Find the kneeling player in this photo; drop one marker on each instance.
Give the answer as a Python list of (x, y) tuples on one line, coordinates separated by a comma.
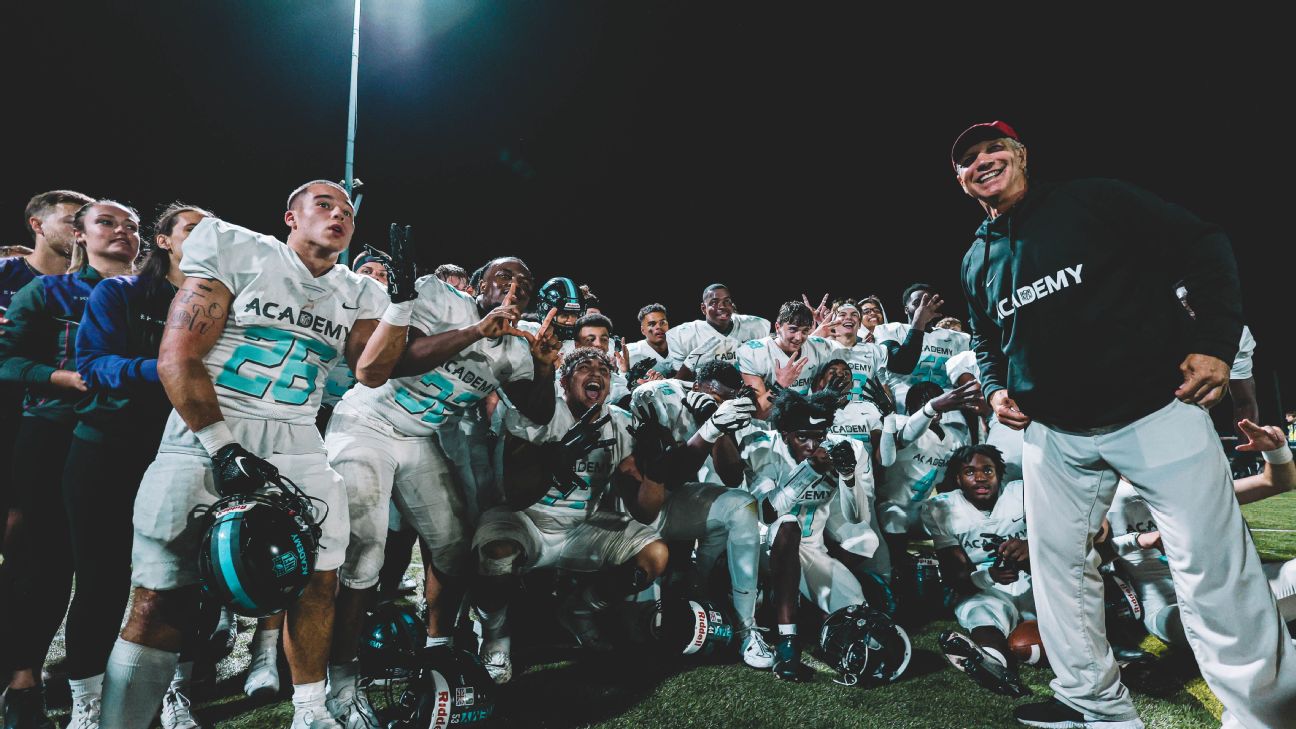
[(979, 531), (691, 423), (554, 517), (800, 478)]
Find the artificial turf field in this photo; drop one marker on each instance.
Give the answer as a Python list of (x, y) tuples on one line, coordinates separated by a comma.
[(563, 689)]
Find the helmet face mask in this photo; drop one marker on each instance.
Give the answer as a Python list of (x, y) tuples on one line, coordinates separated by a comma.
[(562, 294), (864, 645), (446, 686)]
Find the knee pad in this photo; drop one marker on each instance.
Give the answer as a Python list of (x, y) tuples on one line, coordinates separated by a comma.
[(735, 512), (497, 566), (364, 561), (1168, 626), (449, 558)]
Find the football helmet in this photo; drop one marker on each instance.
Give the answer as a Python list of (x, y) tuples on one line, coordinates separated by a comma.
[(864, 644), (562, 294), (390, 641), (258, 550), (694, 627), (447, 686)]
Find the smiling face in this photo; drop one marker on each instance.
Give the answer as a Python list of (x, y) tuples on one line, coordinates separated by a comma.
[(323, 215), (587, 384), (870, 315), (979, 481), (791, 335), (848, 320), (718, 308), (110, 232), (500, 276), (993, 172)]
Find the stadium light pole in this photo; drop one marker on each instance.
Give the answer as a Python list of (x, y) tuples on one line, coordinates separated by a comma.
[(349, 178)]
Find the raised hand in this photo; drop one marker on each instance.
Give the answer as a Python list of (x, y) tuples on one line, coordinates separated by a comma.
[(842, 458), (651, 438), (928, 309), (579, 441), (873, 391), (1261, 437), (399, 264), (701, 405), (828, 327), (821, 312), (966, 395), (787, 374)]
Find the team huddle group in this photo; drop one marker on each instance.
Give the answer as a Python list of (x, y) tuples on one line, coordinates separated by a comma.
[(232, 393)]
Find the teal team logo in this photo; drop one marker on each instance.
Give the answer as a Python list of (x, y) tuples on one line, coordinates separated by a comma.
[(284, 564)]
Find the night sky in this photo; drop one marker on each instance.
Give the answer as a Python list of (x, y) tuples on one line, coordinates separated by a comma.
[(649, 148)]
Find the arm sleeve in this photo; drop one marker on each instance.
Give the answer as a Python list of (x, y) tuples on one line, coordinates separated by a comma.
[(986, 335), (102, 340), (887, 447), (20, 345), (902, 357), (914, 427)]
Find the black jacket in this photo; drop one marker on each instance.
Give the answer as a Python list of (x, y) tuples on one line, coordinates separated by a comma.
[(1072, 304)]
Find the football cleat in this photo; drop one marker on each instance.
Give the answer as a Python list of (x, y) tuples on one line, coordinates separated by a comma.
[(263, 674), (313, 717), (176, 712), (755, 651), (85, 712), (352, 710), (1055, 714), (787, 661), (499, 664), (985, 670)]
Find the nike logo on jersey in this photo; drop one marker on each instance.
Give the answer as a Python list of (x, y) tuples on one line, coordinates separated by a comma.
[(352, 308), (1023, 516)]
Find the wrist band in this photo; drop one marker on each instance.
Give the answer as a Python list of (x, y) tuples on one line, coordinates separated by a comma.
[(398, 315), (709, 432), (1278, 456), (215, 437), (928, 410)]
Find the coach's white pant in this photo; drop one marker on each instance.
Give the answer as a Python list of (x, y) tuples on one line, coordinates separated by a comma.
[(1174, 460), (378, 464)]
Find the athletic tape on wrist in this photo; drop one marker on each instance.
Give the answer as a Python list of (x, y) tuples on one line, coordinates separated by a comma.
[(709, 432), (215, 437), (1278, 456), (398, 315)]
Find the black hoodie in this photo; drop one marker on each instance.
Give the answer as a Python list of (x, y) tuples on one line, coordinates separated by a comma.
[(1072, 305)]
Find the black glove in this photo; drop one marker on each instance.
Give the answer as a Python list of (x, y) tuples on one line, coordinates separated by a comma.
[(239, 472), (701, 405), (842, 386), (651, 440), (399, 264), (873, 391), (842, 457), (578, 442)]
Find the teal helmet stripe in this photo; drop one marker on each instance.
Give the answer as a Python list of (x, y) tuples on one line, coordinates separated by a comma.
[(225, 539)]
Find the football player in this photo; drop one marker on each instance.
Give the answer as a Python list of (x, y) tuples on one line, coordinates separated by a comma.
[(654, 326), (595, 330), (788, 358), (715, 336), (864, 355), (920, 337), (560, 478), (460, 349), (679, 427), (979, 530), (800, 477), (250, 336)]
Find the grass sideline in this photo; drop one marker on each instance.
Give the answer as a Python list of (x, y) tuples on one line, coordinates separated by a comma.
[(566, 691)]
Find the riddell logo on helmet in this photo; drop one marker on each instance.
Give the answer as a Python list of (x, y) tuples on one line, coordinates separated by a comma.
[(699, 629), (442, 716)]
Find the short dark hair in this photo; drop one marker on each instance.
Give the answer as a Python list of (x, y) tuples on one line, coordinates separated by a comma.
[(795, 312), (292, 196), (712, 288), (719, 371), (475, 279), (41, 204), (904, 298), (823, 368), (580, 356), (651, 309), (792, 410), (158, 263), (963, 455), (920, 393), (593, 320), (446, 270)]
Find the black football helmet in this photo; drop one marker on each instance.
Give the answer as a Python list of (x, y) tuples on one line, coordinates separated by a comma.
[(259, 549), (864, 644), (564, 295), (391, 640), (447, 686), (694, 627)]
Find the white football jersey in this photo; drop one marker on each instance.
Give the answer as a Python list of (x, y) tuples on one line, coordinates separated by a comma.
[(759, 357), (857, 421), (1242, 362), (696, 342), (421, 404), (640, 351), (919, 466), (866, 360), (963, 363), (595, 469), (665, 399), (340, 379), (1129, 514), (938, 346), (286, 327), (952, 521)]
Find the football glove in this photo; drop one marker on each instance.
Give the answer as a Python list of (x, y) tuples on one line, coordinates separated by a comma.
[(872, 391), (399, 264), (701, 405), (651, 439), (239, 472), (579, 441), (730, 416), (842, 457)]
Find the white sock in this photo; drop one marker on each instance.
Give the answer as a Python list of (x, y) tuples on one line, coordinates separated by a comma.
[(133, 686), (342, 678), (309, 695), (502, 644), (180, 681), (265, 640), (438, 641), (84, 687), (494, 623), (996, 655), (787, 629)]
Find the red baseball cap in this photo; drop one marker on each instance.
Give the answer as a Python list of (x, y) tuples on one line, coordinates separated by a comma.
[(980, 133)]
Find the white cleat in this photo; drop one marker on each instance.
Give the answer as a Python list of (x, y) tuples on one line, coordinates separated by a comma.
[(85, 713), (313, 717), (263, 674), (352, 710), (176, 713), (755, 651), (495, 656)]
